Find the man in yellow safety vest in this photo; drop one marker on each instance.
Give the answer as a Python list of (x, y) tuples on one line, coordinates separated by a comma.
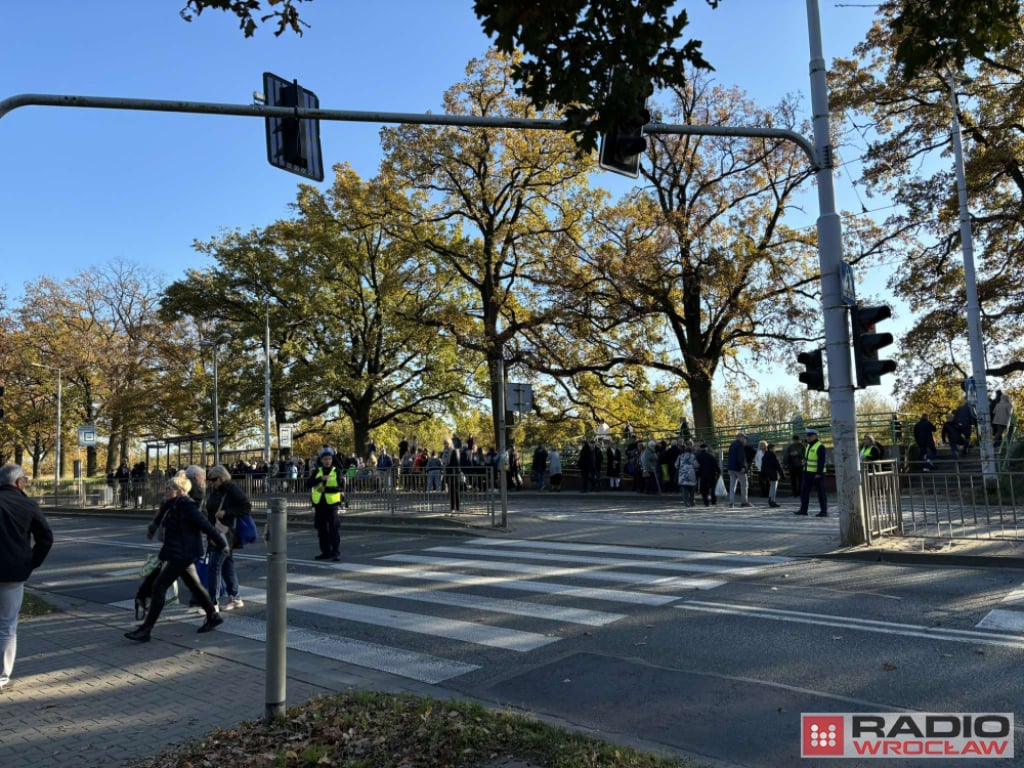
[(325, 487), (814, 475)]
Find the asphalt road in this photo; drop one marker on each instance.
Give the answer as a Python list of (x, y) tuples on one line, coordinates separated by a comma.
[(709, 654)]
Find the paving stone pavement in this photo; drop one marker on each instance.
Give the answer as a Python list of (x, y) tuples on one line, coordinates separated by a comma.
[(82, 697)]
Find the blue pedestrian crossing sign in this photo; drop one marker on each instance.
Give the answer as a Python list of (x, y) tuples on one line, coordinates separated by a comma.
[(86, 436), (847, 284)]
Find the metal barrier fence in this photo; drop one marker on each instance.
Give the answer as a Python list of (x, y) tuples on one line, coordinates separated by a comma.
[(380, 492), (951, 505)]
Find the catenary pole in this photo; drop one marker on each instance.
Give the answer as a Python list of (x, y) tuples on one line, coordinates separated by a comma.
[(985, 450)]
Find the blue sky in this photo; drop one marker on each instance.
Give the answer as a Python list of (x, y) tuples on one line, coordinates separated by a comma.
[(82, 187)]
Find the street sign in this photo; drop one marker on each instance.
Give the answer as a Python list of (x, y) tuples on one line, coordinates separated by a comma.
[(848, 284), (293, 143), (86, 436), (284, 432), (971, 391), (518, 398)]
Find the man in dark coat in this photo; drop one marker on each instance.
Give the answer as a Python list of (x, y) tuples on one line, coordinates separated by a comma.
[(965, 421), (585, 463), (614, 465), (25, 540), (924, 436), (708, 473)]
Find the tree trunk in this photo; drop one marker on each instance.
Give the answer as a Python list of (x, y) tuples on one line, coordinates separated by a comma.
[(703, 416)]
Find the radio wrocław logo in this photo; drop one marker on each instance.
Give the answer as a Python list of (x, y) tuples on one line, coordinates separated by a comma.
[(918, 734)]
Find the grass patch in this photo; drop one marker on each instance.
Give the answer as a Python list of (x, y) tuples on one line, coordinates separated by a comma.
[(376, 730), (33, 605)]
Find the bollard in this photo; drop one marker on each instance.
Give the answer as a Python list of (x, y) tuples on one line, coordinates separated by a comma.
[(277, 607)]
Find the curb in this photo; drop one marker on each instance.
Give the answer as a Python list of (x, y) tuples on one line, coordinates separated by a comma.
[(931, 558)]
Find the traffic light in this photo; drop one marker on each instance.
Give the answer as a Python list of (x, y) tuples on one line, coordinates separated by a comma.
[(814, 373), (866, 343), (293, 144), (622, 147)]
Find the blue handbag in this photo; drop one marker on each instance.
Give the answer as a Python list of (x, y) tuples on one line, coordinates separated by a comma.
[(245, 530)]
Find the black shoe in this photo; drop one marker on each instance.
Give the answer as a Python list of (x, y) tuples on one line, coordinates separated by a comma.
[(140, 635), (213, 620), (798, 512), (772, 504), (336, 557), (822, 514), (322, 557)]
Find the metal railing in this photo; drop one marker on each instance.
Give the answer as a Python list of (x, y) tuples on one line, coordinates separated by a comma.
[(378, 492), (942, 504)]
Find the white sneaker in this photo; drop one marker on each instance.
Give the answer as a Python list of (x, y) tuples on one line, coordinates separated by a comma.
[(234, 602)]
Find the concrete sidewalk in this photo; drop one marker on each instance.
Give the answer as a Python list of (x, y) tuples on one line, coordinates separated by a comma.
[(83, 698)]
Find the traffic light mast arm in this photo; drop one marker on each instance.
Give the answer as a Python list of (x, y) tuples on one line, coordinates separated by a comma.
[(355, 116)]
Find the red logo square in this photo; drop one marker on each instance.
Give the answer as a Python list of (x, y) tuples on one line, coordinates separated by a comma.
[(821, 736)]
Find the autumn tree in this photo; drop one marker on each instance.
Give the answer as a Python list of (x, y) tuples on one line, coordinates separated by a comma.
[(501, 198), (704, 251), (909, 158), (344, 299), (101, 329)]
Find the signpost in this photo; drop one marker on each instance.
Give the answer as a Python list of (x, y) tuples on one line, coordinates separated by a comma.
[(86, 436), (284, 435)]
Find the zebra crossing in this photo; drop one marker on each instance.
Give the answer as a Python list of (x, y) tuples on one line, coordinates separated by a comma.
[(444, 612), (1010, 616)]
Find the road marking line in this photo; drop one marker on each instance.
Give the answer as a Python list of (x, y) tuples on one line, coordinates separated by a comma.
[(998, 618), (409, 664), (543, 571), (676, 554), (602, 561), (453, 629), (865, 625), (511, 582), (1016, 596), (557, 613)]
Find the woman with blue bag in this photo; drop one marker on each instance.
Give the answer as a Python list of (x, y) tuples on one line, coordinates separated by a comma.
[(231, 513)]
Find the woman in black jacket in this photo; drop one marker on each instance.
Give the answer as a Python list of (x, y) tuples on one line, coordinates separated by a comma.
[(771, 471), (224, 505), (183, 526)]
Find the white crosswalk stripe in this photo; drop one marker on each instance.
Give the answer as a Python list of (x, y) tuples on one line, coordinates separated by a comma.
[(511, 582), (539, 571), (460, 581), (1010, 617), (461, 600)]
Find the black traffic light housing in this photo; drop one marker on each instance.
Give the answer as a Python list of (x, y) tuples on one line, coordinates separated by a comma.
[(293, 144), (814, 373), (622, 147), (867, 342)]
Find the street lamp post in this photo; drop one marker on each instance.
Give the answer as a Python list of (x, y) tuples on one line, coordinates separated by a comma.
[(56, 463), (215, 344)]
